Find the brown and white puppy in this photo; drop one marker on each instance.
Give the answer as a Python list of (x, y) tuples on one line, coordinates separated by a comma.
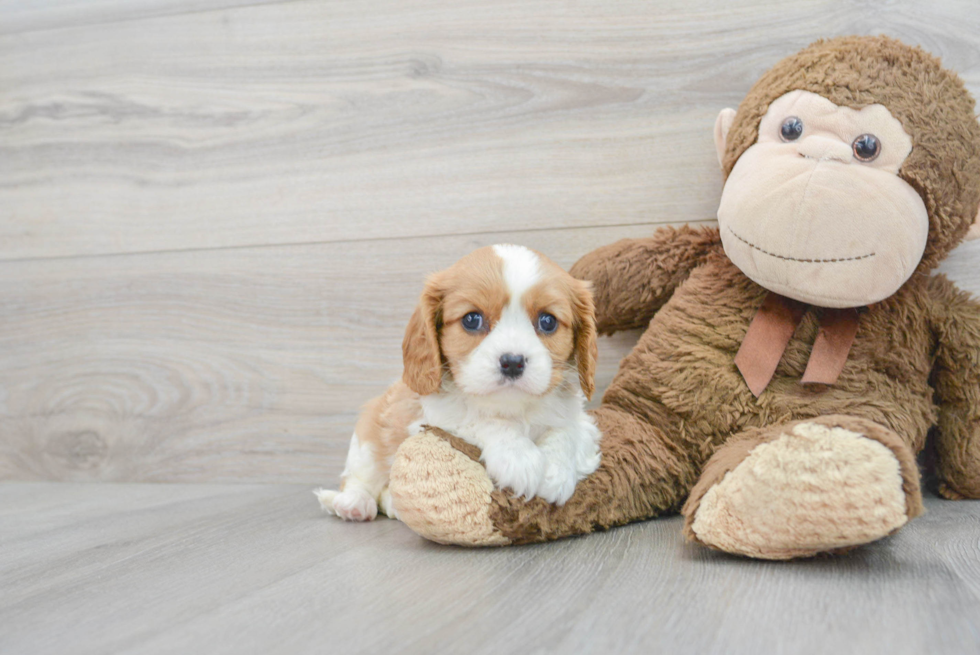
[(501, 353)]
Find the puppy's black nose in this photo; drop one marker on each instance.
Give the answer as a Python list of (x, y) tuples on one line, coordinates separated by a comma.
[(512, 365)]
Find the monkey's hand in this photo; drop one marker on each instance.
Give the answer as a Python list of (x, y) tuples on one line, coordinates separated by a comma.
[(957, 381), (633, 278)]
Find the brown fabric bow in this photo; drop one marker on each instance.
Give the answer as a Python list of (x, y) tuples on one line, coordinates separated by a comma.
[(773, 327)]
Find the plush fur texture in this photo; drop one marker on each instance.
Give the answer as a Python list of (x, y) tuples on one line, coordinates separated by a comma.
[(453, 508), (679, 419), (931, 103), (788, 202), (830, 483)]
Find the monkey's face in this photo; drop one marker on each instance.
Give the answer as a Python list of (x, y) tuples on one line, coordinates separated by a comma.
[(815, 209)]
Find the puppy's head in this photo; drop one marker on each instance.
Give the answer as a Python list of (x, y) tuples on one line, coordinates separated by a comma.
[(503, 318)]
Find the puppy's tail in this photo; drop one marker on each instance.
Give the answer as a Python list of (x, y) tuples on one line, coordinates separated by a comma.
[(326, 496)]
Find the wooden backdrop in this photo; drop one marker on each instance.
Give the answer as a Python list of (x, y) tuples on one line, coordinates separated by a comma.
[(216, 215)]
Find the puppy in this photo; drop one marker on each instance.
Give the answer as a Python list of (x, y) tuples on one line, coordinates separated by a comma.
[(501, 353)]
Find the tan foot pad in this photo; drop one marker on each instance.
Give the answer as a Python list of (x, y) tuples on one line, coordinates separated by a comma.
[(817, 489), (442, 494)]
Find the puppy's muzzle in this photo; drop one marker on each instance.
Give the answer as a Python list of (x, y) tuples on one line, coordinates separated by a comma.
[(511, 365)]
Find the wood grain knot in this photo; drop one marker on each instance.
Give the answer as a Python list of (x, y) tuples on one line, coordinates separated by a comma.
[(83, 449)]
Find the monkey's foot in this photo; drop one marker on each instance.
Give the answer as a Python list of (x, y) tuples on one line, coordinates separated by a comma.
[(796, 490), (442, 493)]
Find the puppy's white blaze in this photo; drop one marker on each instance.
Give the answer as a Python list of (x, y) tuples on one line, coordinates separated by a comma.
[(516, 334), (513, 333), (522, 269)]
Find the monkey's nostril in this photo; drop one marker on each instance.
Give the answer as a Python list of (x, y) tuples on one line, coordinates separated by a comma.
[(511, 365)]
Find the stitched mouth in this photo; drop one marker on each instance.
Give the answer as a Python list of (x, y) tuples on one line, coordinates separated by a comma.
[(798, 259)]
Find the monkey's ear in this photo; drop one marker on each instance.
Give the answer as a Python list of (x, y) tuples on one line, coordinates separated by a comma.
[(722, 124), (974, 232)]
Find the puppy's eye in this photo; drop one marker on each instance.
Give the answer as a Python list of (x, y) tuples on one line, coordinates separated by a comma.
[(547, 323), (473, 322), (791, 129), (866, 147)]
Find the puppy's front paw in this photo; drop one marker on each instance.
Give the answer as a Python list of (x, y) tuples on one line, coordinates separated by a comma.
[(558, 483), (351, 505), (518, 465)]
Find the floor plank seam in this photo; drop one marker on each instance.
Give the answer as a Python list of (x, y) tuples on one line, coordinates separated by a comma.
[(147, 17), (300, 244)]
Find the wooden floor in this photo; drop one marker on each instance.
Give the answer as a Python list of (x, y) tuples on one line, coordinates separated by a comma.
[(257, 569)]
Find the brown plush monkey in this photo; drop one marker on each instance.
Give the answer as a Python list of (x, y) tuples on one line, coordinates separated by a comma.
[(796, 357)]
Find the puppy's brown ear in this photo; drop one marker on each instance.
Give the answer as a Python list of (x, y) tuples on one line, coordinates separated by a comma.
[(420, 348), (586, 348)]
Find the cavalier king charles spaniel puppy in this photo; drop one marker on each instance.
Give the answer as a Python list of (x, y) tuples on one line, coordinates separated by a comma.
[(500, 352)]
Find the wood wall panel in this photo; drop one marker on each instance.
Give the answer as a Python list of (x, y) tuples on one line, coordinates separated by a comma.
[(310, 121), (244, 364), (215, 215)]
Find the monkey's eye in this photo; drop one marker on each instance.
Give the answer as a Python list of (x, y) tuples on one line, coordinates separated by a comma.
[(473, 322), (866, 147), (791, 129), (547, 323)]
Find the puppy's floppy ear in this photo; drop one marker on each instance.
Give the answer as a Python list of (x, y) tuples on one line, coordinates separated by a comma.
[(420, 348), (586, 348)]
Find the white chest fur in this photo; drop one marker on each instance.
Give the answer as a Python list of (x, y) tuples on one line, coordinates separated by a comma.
[(535, 445)]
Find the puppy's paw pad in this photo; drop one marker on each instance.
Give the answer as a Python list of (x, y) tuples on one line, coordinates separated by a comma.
[(355, 505)]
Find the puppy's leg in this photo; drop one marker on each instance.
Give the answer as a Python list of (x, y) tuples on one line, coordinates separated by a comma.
[(384, 504), (513, 461), (362, 483), (572, 454)]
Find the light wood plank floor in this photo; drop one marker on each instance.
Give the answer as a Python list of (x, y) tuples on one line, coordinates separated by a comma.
[(257, 569)]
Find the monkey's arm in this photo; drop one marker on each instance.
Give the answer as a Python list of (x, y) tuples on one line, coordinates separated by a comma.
[(956, 378), (633, 278)]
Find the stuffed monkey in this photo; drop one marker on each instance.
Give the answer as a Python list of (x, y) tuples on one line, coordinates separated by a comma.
[(796, 358)]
